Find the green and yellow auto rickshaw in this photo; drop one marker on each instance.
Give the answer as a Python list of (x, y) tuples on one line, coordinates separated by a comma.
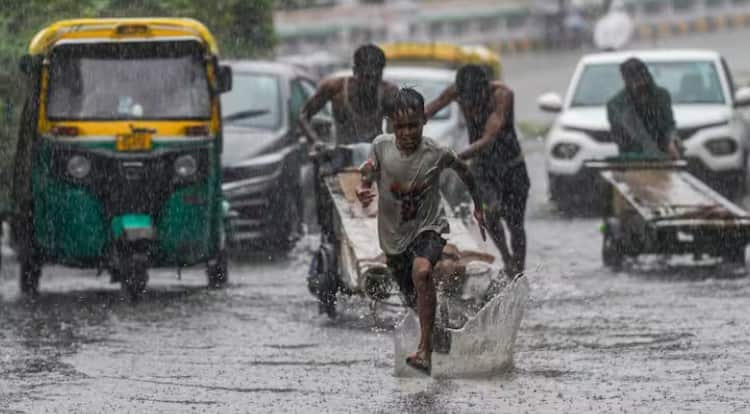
[(117, 166)]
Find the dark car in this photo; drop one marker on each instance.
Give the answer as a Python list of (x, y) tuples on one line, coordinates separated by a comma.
[(263, 154)]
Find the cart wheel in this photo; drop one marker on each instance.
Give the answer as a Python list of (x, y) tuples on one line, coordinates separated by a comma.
[(217, 271), (322, 282), (31, 271), (612, 255)]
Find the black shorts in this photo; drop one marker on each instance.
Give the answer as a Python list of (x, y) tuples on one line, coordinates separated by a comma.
[(428, 245)]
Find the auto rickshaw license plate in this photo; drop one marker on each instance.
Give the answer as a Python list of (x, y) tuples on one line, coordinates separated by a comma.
[(137, 141)]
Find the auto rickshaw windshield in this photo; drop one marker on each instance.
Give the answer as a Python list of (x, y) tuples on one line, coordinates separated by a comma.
[(129, 80)]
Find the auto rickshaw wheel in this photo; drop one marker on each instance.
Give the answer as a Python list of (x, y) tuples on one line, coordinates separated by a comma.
[(217, 271), (134, 284), (31, 271), (612, 255)]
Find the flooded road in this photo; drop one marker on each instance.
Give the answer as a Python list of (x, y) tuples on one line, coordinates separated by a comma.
[(661, 336)]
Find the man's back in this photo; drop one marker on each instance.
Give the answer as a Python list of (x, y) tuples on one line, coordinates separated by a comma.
[(641, 128)]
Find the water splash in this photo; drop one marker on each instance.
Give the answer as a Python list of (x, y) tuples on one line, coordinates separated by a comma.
[(483, 346)]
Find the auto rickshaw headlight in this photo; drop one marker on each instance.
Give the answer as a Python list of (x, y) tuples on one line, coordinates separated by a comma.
[(79, 166), (185, 166)]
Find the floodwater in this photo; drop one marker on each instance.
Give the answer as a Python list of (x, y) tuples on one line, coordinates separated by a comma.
[(658, 336)]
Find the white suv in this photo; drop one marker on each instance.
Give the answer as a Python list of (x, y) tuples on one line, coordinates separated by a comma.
[(714, 134)]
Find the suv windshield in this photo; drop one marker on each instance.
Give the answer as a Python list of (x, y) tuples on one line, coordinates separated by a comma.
[(430, 89), (687, 83), (127, 81), (255, 101)]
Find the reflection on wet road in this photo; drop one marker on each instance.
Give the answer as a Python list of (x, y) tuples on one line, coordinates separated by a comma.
[(659, 336)]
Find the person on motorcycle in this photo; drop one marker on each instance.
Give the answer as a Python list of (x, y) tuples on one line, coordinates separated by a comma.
[(640, 115), (406, 168), (359, 102)]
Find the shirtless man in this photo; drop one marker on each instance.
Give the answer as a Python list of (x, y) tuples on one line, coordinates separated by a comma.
[(406, 167), (359, 102), (497, 162)]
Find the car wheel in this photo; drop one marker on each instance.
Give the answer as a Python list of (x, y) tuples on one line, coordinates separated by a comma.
[(291, 222), (734, 254)]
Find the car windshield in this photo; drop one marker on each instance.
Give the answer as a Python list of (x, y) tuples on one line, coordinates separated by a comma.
[(687, 82), (255, 101), (125, 81), (430, 89)]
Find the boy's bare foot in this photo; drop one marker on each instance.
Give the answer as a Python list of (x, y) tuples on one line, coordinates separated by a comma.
[(420, 361)]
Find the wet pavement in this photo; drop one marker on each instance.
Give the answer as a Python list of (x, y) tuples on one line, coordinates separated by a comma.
[(658, 336)]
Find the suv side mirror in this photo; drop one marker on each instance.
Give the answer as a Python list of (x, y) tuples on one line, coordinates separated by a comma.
[(742, 97), (223, 79), (550, 102), (26, 64)]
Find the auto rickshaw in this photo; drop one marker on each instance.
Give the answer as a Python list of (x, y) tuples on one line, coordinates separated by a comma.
[(117, 166)]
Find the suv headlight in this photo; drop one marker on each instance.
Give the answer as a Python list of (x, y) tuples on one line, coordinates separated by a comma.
[(721, 146), (185, 166), (79, 166), (565, 150)]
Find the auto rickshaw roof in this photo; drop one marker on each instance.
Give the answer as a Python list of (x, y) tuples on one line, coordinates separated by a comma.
[(444, 52), (120, 29)]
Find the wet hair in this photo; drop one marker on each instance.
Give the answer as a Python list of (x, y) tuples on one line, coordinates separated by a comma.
[(471, 81), (407, 100), (634, 68), (369, 56)]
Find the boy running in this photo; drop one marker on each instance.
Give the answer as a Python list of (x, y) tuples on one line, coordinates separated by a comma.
[(406, 167)]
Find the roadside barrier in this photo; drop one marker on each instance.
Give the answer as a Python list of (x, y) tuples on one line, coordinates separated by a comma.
[(702, 24), (643, 31)]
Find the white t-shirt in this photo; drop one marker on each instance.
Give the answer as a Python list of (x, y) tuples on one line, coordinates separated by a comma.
[(409, 200)]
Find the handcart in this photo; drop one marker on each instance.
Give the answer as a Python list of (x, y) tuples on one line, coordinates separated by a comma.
[(657, 207)]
